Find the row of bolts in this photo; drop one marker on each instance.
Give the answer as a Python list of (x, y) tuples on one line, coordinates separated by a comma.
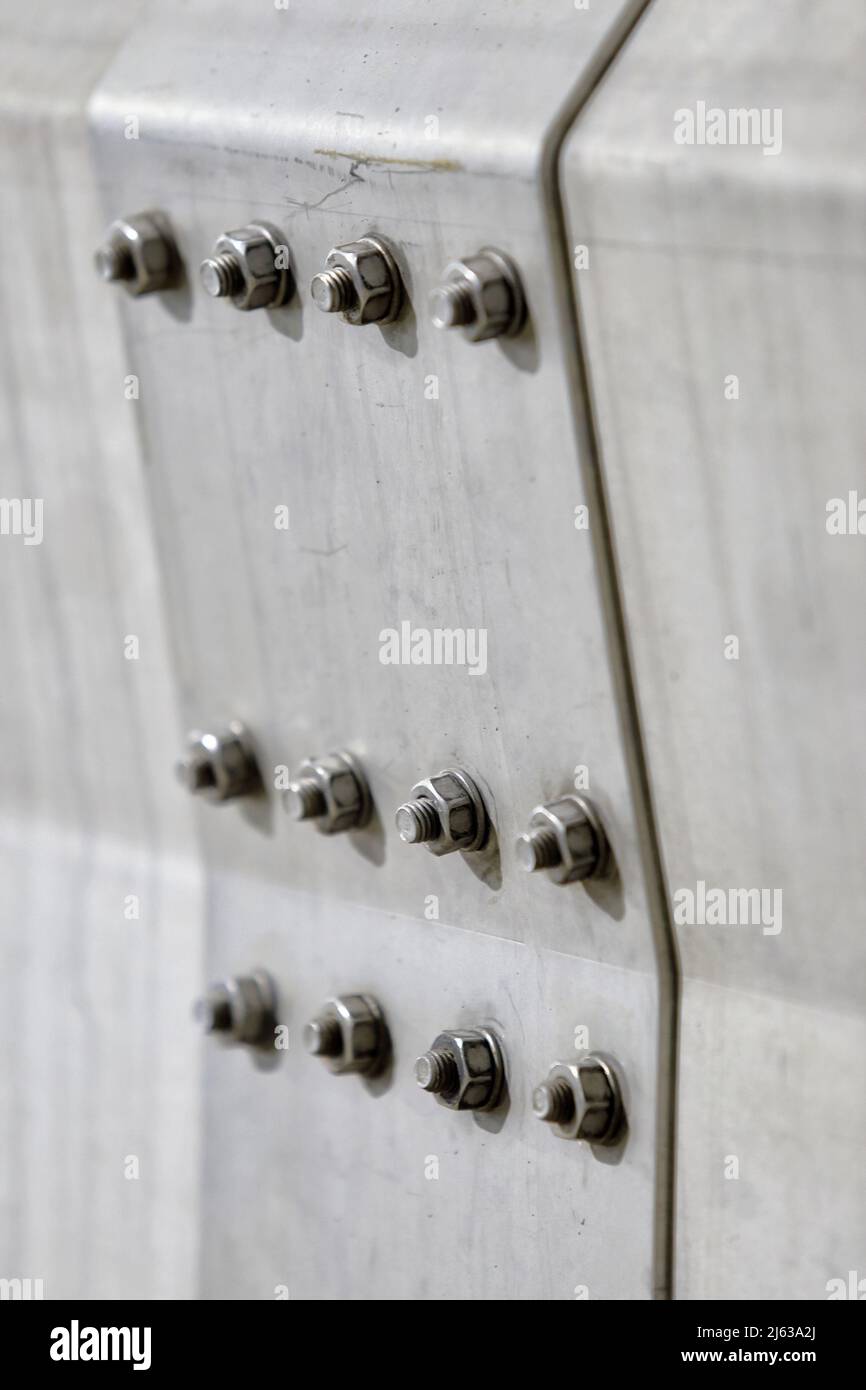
[(481, 294), (464, 1068), (446, 813)]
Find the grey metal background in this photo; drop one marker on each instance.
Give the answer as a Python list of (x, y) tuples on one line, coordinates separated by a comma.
[(454, 512), (98, 1063)]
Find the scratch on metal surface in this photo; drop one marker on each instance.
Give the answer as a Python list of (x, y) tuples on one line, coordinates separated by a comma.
[(436, 166)]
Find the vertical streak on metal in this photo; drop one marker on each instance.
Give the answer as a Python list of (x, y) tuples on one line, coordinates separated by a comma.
[(579, 371)]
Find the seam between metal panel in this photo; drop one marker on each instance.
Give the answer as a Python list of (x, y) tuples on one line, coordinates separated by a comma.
[(579, 372)]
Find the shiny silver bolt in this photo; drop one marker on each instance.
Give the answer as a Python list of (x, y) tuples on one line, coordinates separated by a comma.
[(140, 253), (242, 1008), (361, 281), (565, 837), (463, 1068), (249, 266), (331, 791), (220, 766), (481, 294), (350, 1035), (446, 813), (582, 1100)]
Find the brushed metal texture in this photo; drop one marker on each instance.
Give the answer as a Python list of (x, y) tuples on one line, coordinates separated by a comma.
[(429, 480)]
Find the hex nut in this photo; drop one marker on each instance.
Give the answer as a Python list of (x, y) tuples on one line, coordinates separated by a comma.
[(241, 1008), (139, 251), (220, 766), (244, 265), (475, 1080), (350, 1035), (482, 294), (582, 849), (597, 1115), (460, 810), (376, 284), (343, 800)]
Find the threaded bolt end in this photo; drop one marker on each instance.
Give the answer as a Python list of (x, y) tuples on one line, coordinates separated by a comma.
[(333, 290), (196, 774), (436, 1071), (305, 800), (215, 1011), (538, 849), (322, 1037), (553, 1102), (114, 262), (417, 822), (222, 275), (451, 306)]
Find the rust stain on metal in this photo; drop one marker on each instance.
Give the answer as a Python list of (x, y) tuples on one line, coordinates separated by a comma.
[(433, 165)]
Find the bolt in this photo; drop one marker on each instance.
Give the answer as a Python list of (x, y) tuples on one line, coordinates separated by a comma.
[(222, 275), (446, 813), (304, 799), (567, 838), (220, 766), (139, 252), (436, 1071), (582, 1099), (243, 1007), (361, 281), (350, 1035), (553, 1102), (417, 822), (330, 790), (463, 1068), (322, 1037), (538, 849), (481, 294), (249, 266), (333, 291)]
